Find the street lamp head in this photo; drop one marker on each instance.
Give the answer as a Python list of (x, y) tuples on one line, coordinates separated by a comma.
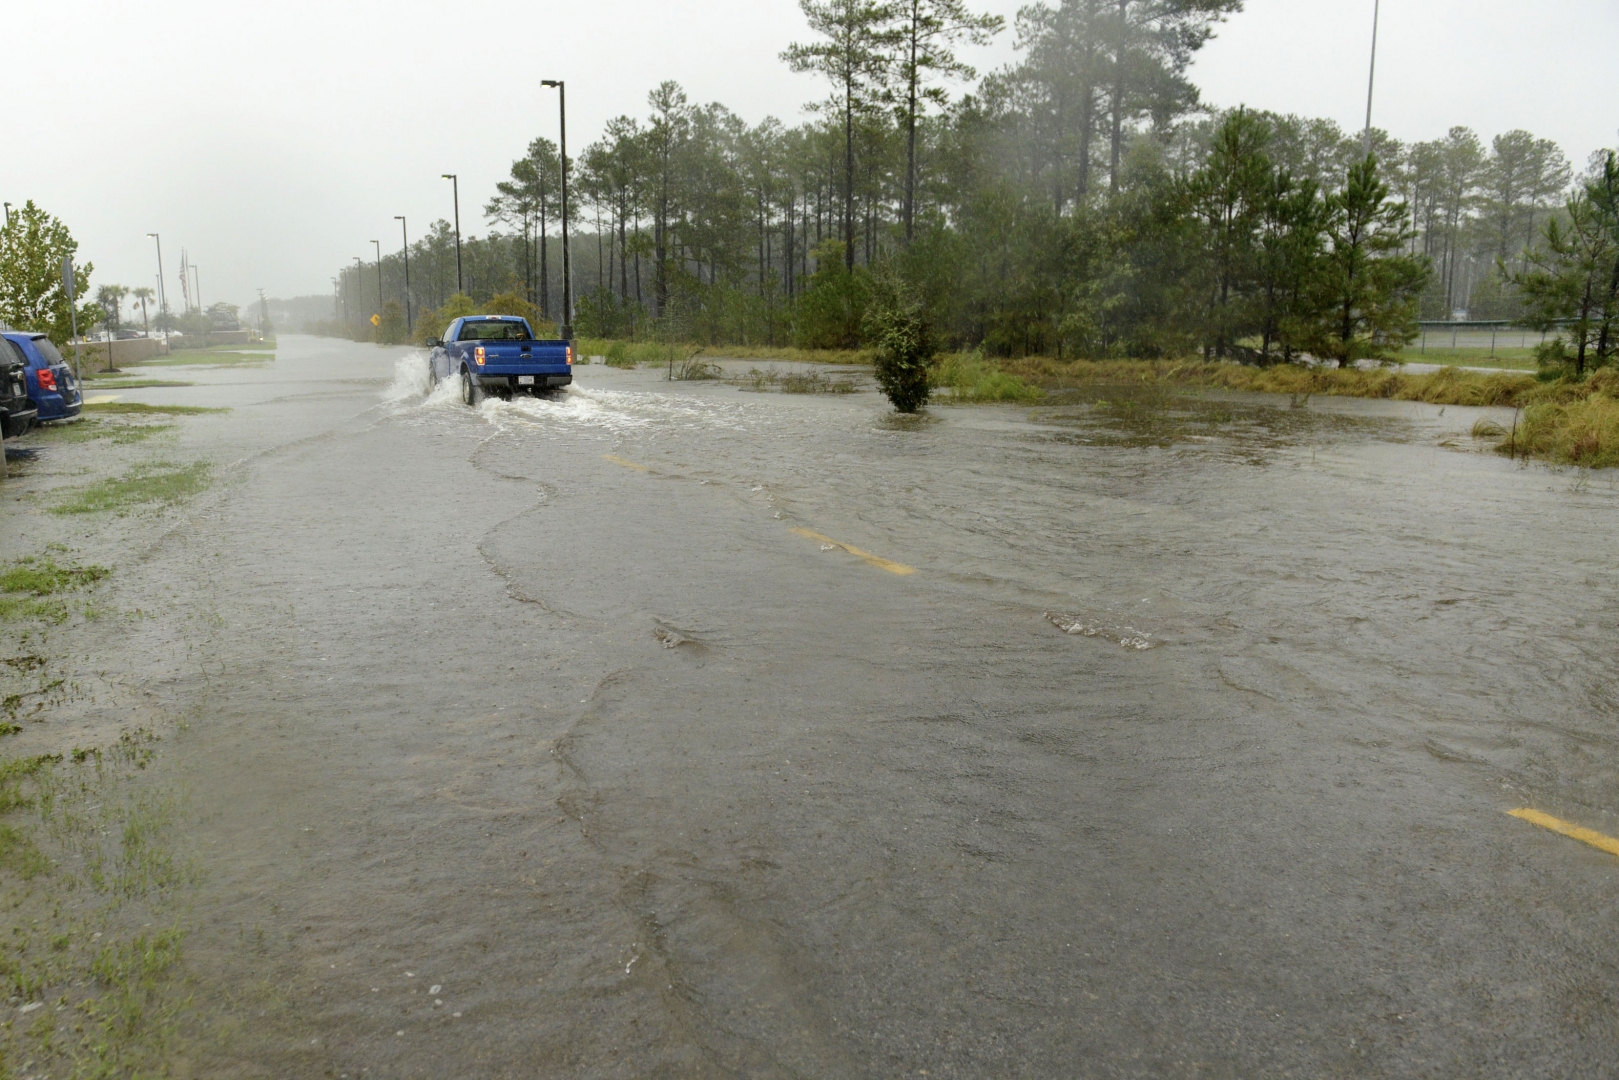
[(399, 217), (550, 82), (447, 176)]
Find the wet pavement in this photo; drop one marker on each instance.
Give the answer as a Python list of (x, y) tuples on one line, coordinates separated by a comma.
[(671, 729)]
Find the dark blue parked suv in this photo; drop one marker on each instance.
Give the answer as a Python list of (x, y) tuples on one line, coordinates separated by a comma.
[(50, 381)]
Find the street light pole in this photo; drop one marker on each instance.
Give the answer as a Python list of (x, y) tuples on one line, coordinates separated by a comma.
[(567, 259), (162, 293), (404, 237), (196, 281), (8, 213), (455, 185), (1371, 76), (359, 285), (378, 245)]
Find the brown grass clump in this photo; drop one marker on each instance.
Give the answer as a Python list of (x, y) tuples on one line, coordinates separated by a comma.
[(1583, 432)]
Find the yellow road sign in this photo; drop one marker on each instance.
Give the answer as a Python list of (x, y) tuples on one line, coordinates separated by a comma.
[(376, 320)]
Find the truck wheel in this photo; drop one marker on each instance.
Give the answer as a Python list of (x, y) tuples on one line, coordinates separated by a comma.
[(470, 395)]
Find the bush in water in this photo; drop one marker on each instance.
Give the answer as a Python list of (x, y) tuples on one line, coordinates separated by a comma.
[(905, 348)]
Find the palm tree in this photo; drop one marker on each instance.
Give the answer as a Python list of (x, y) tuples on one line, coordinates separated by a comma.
[(143, 294), (111, 300)]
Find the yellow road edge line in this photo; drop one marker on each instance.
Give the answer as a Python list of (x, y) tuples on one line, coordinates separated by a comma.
[(875, 560), (102, 399), (627, 463), (1568, 828)]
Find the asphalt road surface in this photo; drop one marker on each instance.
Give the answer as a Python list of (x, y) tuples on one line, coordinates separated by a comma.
[(672, 729)]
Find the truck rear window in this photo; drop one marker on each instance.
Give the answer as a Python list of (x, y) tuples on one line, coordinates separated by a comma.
[(493, 331)]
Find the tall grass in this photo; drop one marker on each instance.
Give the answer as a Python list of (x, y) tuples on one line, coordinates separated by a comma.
[(1584, 432), (971, 378)]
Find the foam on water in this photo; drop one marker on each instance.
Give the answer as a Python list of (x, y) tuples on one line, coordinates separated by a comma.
[(1085, 626)]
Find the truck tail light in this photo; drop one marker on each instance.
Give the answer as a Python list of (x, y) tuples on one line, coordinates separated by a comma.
[(477, 354), (570, 355), (47, 379)]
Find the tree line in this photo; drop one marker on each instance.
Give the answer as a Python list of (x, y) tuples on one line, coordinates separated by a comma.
[(1081, 201)]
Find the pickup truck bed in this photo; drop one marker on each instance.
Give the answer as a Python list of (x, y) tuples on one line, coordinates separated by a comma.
[(498, 354)]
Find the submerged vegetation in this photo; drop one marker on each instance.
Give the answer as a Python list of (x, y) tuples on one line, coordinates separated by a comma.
[(1447, 386), (813, 381), (136, 408), (30, 588), (155, 482), (85, 869), (1567, 420)]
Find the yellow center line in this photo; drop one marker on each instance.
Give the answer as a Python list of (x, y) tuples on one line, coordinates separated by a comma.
[(627, 463), (875, 560), (1567, 828)]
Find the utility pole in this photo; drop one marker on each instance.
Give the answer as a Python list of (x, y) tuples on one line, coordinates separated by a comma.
[(455, 185), (73, 314), (404, 237), (8, 214), (1371, 78), (359, 287), (162, 293), (567, 258), (196, 283)]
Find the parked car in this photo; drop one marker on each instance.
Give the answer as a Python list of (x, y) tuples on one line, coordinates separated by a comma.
[(497, 354), (17, 413), (51, 386)]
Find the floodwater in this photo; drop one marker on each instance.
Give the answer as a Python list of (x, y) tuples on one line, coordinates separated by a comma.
[(669, 729)]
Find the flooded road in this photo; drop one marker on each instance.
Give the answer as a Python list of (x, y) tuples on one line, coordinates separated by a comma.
[(668, 729)]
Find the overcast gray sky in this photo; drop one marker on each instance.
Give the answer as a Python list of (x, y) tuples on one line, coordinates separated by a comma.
[(274, 139)]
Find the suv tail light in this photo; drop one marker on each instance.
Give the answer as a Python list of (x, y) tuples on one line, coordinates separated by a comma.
[(47, 379)]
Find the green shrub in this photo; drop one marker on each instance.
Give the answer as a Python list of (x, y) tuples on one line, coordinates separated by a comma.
[(904, 342)]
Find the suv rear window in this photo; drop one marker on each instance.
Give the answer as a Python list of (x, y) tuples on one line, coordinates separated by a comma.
[(47, 350), (493, 330)]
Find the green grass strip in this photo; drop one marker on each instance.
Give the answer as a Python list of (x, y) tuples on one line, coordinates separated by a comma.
[(160, 482)]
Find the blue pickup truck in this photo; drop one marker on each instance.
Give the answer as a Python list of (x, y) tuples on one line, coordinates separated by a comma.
[(497, 354)]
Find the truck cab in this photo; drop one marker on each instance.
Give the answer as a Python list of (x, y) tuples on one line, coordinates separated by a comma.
[(498, 354)]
